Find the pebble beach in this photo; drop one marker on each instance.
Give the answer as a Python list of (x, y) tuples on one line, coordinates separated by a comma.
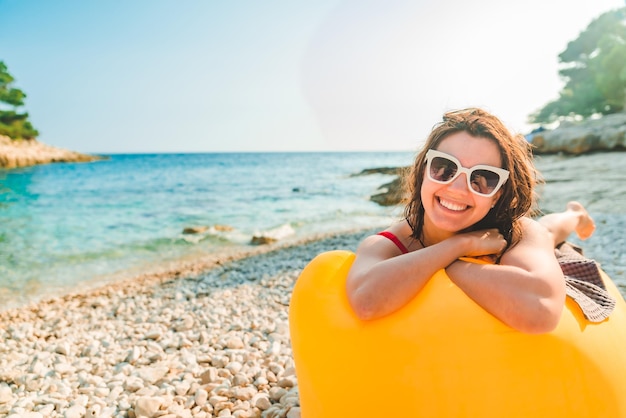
[(206, 340)]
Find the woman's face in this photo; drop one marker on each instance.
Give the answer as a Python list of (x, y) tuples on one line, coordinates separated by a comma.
[(450, 208)]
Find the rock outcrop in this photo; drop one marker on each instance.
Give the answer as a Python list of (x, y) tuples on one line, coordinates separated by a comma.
[(603, 134), (389, 194), (24, 153)]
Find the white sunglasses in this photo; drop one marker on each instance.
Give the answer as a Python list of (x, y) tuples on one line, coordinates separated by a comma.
[(483, 180)]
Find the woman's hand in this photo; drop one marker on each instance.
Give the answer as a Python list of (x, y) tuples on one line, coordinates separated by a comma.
[(486, 242)]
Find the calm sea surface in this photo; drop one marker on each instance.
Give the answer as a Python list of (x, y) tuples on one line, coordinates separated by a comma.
[(64, 225)]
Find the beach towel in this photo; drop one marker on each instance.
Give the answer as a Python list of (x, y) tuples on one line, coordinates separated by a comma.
[(584, 283)]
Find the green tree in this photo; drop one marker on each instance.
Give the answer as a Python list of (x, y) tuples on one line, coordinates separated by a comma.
[(593, 67), (13, 124)]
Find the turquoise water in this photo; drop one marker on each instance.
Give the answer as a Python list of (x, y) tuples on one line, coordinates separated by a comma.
[(64, 225)]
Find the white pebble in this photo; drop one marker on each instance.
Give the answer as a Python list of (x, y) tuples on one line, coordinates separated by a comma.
[(147, 406), (75, 411)]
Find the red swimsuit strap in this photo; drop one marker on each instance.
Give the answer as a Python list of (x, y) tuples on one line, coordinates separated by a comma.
[(395, 240)]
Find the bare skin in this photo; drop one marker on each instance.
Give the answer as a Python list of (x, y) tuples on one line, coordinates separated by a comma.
[(526, 290), (574, 219)]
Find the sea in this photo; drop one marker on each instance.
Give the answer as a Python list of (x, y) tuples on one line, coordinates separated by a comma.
[(76, 225), (72, 226)]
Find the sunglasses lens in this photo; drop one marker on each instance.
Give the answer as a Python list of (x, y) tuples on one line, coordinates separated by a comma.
[(484, 181), (442, 169)]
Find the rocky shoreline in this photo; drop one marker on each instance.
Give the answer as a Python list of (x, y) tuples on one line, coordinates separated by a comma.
[(24, 153), (607, 133), (211, 343)]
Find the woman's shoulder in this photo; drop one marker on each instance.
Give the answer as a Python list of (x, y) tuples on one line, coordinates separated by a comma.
[(533, 235), (531, 226), (401, 232), (397, 237)]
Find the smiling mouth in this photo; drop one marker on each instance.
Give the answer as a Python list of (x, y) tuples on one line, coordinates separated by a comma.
[(456, 207)]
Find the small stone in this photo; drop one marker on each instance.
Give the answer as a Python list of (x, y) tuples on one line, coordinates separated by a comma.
[(234, 367), (133, 384), (64, 368), (182, 388), (276, 393), (94, 411), (261, 401), (184, 324), (294, 412), (201, 397), (287, 382), (244, 393), (215, 400), (195, 229), (75, 411), (240, 380), (63, 348), (133, 355), (31, 414), (6, 395), (153, 334), (152, 375), (234, 343), (209, 375), (147, 406)]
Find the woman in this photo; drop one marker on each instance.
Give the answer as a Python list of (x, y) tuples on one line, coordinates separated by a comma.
[(471, 191)]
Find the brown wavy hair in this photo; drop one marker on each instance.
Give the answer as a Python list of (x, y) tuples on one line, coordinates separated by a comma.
[(518, 196)]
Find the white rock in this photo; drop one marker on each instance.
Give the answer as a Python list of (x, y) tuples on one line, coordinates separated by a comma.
[(201, 397), (234, 342), (31, 414), (63, 348), (182, 388), (276, 393), (132, 384), (294, 412), (234, 367), (94, 411), (209, 375), (153, 334), (147, 406), (6, 395), (287, 382), (76, 411), (152, 375), (244, 393), (261, 401)]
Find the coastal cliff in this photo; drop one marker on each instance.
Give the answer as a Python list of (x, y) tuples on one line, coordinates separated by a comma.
[(24, 153)]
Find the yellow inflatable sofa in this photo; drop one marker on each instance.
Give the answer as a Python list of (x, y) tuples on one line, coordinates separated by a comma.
[(443, 356)]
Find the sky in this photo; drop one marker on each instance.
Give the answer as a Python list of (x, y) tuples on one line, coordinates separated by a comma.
[(143, 76)]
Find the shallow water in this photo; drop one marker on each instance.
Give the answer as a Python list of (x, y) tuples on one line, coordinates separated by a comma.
[(63, 225)]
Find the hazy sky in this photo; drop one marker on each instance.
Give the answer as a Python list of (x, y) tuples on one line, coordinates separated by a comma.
[(246, 75)]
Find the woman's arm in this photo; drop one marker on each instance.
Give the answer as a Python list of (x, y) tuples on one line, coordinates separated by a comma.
[(526, 291), (382, 280)]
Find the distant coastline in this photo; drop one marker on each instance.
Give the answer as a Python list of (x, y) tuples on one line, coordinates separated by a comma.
[(24, 153)]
